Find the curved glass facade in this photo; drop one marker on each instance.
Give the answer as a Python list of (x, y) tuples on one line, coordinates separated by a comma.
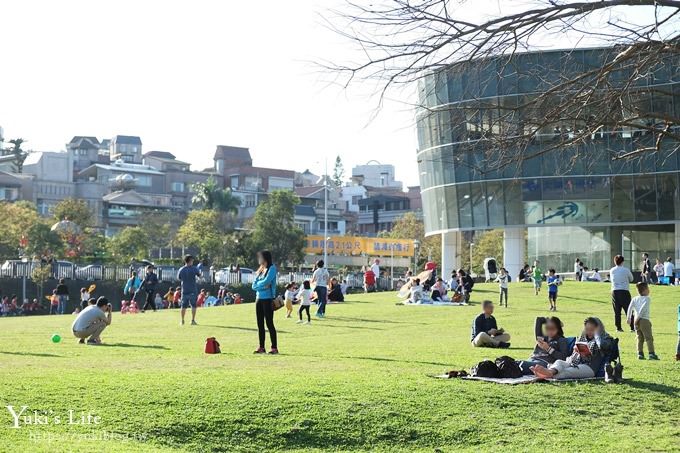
[(470, 180)]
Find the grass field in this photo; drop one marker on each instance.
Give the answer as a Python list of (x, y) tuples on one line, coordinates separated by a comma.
[(357, 380)]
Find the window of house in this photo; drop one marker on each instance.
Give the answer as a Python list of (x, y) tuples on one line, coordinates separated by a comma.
[(144, 180), (250, 201), (178, 187)]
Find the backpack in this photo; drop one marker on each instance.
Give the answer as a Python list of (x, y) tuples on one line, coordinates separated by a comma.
[(212, 346), (486, 369), (508, 367)]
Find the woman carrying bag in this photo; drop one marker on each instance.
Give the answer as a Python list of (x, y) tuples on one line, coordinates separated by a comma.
[(264, 286)]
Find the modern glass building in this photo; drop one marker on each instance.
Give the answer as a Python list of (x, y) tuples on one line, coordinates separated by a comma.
[(494, 153)]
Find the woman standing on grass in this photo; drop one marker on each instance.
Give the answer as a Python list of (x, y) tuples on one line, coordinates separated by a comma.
[(264, 285), (320, 279)]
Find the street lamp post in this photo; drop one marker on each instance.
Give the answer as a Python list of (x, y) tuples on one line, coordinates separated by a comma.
[(472, 244), (416, 247), (392, 266), (325, 213)]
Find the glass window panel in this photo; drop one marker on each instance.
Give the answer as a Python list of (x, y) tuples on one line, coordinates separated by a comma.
[(464, 206), (451, 205), (533, 213), (531, 190), (574, 188), (645, 198), (478, 196), (622, 199), (667, 196), (598, 211), (597, 187), (495, 202), (513, 206), (553, 189), (429, 211)]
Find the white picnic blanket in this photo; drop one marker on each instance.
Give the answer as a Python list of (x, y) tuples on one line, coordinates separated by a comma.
[(437, 304)]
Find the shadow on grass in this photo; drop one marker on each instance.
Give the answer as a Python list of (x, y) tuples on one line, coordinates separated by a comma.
[(386, 359), (31, 354), (583, 298), (380, 321), (652, 387), (247, 329), (128, 345), (351, 327)]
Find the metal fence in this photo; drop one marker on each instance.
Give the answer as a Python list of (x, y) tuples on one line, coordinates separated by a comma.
[(97, 272)]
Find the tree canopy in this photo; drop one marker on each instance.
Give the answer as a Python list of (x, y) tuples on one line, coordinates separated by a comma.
[(209, 195), (75, 210)]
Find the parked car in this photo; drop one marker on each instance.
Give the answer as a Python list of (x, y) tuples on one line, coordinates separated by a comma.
[(90, 272), (225, 275)]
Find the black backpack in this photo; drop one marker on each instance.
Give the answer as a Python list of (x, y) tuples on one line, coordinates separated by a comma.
[(486, 369), (508, 367)]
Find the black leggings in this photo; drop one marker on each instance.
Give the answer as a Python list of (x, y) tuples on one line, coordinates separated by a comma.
[(264, 311), (620, 302), (150, 301), (304, 308)]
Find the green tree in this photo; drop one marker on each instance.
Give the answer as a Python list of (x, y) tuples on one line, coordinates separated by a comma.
[(209, 195), (130, 243), (77, 211), (18, 152), (409, 226), (274, 229), (93, 243), (338, 172), (487, 244), (42, 241), (19, 217), (202, 229)]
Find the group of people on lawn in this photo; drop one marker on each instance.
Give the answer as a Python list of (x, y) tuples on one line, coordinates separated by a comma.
[(552, 358)]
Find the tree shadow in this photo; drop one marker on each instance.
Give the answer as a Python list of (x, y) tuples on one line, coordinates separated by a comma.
[(386, 359), (585, 299), (352, 327), (31, 354), (140, 346), (380, 321)]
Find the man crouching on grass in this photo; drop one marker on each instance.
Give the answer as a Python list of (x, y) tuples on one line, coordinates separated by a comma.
[(92, 321)]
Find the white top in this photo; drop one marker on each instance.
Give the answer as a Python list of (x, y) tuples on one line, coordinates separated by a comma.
[(320, 277), (658, 269), (620, 277), (416, 293), (88, 316), (343, 288), (639, 307), (305, 297), (453, 283), (577, 268), (502, 280), (668, 269), (596, 277), (289, 295), (376, 269), (85, 296)]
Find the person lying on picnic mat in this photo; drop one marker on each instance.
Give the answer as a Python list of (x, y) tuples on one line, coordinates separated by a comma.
[(586, 360), (551, 345), (485, 331)]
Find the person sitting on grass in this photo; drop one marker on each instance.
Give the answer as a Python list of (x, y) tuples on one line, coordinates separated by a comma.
[(439, 291), (416, 292), (335, 291), (551, 345), (485, 331), (587, 357), (638, 314), (92, 321)]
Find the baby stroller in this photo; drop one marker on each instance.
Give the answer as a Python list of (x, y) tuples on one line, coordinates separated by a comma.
[(490, 269)]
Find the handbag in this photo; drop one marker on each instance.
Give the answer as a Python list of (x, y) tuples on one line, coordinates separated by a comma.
[(277, 303)]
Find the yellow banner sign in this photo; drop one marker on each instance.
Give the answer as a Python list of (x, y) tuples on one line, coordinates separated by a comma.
[(355, 245)]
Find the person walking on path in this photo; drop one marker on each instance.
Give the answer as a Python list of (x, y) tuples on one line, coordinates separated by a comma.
[(621, 278), (305, 298), (264, 286), (62, 296), (149, 285), (320, 279), (537, 277), (646, 275), (187, 275)]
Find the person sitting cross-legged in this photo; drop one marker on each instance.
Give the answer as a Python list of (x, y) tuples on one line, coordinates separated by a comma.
[(485, 331)]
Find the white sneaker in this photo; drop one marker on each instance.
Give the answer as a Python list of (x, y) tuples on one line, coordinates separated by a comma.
[(299, 322), (308, 322)]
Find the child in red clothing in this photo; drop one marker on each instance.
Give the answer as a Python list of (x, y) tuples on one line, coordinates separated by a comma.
[(200, 300)]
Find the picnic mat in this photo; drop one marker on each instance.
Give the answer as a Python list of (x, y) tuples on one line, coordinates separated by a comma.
[(514, 381), (437, 304)]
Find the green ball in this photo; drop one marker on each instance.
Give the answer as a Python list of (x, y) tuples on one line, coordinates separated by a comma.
[(56, 338)]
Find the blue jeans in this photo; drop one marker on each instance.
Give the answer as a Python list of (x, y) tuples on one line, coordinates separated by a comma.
[(321, 298), (62, 304)]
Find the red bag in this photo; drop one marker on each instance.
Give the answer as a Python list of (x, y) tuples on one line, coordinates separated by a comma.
[(212, 346)]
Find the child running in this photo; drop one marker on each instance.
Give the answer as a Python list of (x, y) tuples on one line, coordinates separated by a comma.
[(305, 298), (502, 281), (537, 276), (289, 297), (553, 283), (638, 312)]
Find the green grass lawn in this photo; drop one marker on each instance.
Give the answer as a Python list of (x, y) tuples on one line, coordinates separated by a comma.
[(357, 380)]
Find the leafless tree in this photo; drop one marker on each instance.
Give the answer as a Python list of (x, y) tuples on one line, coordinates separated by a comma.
[(625, 101)]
